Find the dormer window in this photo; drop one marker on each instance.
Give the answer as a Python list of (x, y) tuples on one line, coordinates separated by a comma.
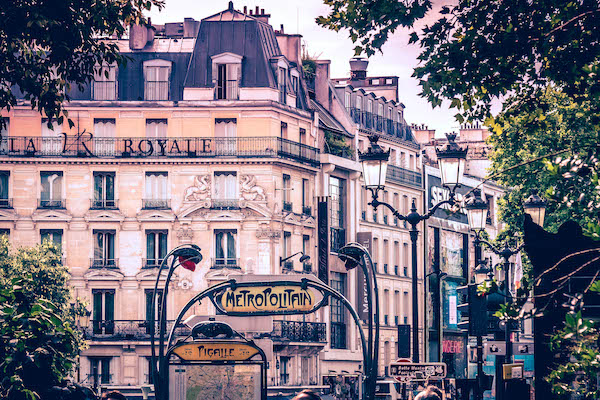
[(227, 75), (156, 79), (281, 83), (104, 86)]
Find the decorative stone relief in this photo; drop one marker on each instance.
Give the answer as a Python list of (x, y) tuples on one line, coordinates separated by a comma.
[(249, 190), (268, 234), (199, 191)]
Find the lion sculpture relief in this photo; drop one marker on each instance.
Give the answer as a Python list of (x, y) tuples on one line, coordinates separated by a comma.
[(200, 190), (249, 190)]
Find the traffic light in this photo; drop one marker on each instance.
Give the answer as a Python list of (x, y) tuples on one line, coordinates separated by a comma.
[(474, 317)]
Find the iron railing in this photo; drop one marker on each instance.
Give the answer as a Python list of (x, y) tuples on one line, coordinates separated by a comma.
[(288, 266), (404, 176), (104, 204), (296, 331), (156, 204), (143, 147), (225, 204), (111, 263), (307, 267), (287, 206), (306, 210), (218, 263), (6, 203), (151, 262), (127, 330), (338, 239), (51, 203), (347, 152), (378, 123)]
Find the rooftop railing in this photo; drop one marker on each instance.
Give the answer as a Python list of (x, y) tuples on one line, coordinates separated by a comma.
[(108, 330), (84, 145)]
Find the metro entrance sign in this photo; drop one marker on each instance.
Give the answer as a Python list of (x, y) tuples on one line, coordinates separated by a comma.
[(216, 351), (405, 372)]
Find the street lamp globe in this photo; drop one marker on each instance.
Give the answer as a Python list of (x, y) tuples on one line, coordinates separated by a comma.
[(374, 165), (483, 272), (535, 206), (452, 160), (477, 211)]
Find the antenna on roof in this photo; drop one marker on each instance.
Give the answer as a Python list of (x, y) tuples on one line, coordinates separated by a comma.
[(231, 6)]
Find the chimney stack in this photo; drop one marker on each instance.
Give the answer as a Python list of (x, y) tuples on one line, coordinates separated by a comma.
[(245, 10), (358, 68)]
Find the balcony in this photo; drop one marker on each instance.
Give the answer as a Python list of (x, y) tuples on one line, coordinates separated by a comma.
[(104, 204), (218, 263), (225, 204), (306, 210), (151, 262), (109, 263), (307, 267), (6, 203), (156, 204), (287, 206), (143, 147), (404, 176), (110, 330), (288, 266), (52, 204), (295, 331), (338, 239)]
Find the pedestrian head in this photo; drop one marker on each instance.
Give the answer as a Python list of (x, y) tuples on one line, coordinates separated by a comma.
[(430, 393), (114, 395), (307, 395)]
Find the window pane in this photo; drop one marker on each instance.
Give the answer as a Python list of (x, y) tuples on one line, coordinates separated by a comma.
[(150, 251), (162, 246), (230, 245)]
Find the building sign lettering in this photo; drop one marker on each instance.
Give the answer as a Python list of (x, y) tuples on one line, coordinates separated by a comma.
[(268, 299), (436, 192), (215, 351)]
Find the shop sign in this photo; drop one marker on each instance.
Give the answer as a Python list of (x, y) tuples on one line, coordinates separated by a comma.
[(436, 193), (272, 298), (452, 346), (215, 351)]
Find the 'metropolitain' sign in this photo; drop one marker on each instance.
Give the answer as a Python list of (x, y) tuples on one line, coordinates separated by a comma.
[(268, 298)]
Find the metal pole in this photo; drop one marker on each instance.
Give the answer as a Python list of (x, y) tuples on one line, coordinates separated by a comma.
[(414, 234), (479, 393), (375, 353)]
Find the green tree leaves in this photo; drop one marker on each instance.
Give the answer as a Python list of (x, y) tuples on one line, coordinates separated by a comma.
[(46, 47)]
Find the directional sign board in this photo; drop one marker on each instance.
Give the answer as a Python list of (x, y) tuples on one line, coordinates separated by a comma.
[(408, 372), (215, 351)]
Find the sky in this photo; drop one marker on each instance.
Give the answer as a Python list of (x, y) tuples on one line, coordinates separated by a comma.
[(298, 16)]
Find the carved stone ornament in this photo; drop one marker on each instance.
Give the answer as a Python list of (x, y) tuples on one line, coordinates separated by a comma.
[(268, 234), (185, 233), (249, 190), (199, 191)]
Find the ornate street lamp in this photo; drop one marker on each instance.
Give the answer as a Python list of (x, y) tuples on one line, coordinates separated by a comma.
[(452, 165), (452, 160), (477, 211), (535, 206)]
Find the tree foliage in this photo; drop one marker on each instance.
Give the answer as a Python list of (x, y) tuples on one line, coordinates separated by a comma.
[(478, 51), (38, 340), (48, 46)]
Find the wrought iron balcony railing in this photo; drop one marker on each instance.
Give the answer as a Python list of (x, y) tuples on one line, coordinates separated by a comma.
[(287, 206), (288, 266), (225, 204), (306, 210), (143, 147), (110, 263), (156, 204), (127, 330), (404, 176), (296, 331), (307, 267), (51, 203), (218, 263), (104, 204), (151, 262)]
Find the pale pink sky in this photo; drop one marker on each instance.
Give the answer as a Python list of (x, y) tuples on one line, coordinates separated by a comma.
[(298, 16)]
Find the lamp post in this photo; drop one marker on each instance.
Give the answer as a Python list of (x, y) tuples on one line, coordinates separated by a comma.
[(451, 159), (477, 216), (355, 254)]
